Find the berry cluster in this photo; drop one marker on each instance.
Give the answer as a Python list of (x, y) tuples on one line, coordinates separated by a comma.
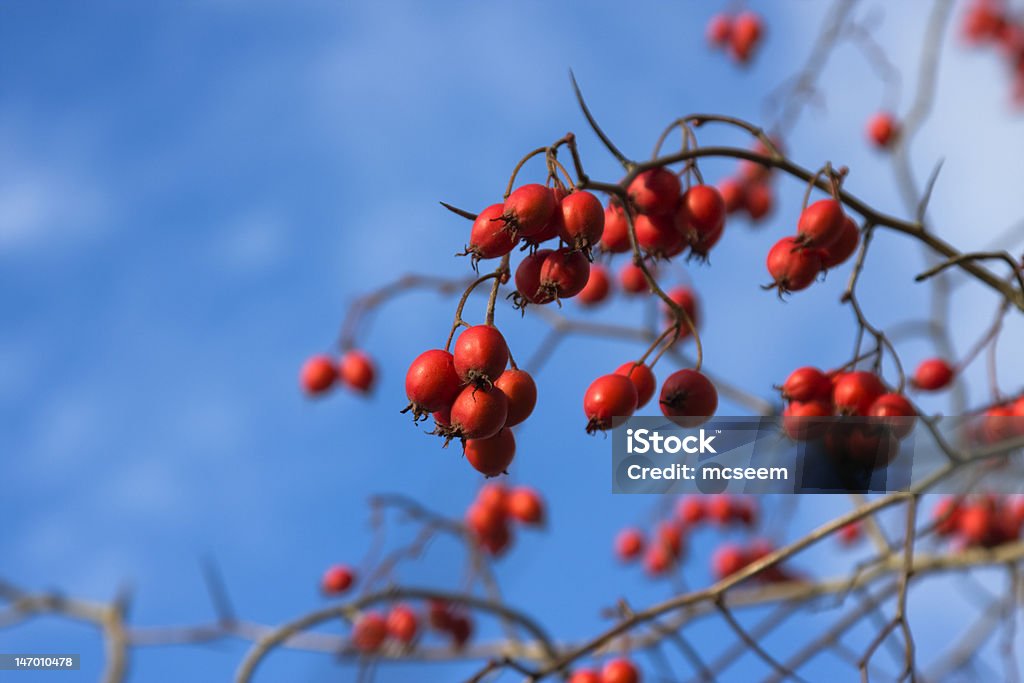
[(740, 35), (615, 671), (1000, 422), (750, 190), (990, 22), (489, 517), (979, 521), (354, 370), (825, 238)]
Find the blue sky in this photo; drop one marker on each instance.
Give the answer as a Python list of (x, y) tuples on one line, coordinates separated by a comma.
[(190, 196)]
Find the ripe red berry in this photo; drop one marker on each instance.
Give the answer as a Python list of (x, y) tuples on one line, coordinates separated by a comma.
[(525, 504), (946, 516), (554, 225), (629, 544), (597, 288), (431, 383), (461, 630), (488, 238), (690, 510), (642, 378), (657, 560), (585, 676), (933, 374), (528, 209), (807, 384), (719, 29), (898, 409), (820, 224), (403, 624), (850, 533), (369, 632), (656, 234), (356, 370), (318, 375), (701, 212), (791, 267), (582, 220), (758, 200), (497, 541), (615, 239), (485, 520), (492, 456), (632, 279), (803, 421), (492, 494), (882, 129), (861, 446), (854, 393), (521, 391), (669, 535), (732, 192), (481, 354), (655, 191), (478, 413), (998, 424), (688, 397), (745, 36), (337, 579), (528, 278), (719, 508), (607, 397), (564, 274), (686, 299), (843, 247), (620, 671), (976, 523), (728, 560)]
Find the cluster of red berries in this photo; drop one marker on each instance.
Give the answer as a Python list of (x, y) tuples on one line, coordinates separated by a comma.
[(739, 35), (473, 396), (980, 521), (731, 558), (825, 238), (615, 671), (489, 517), (750, 190), (687, 396), (989, 22), (1001, 422), (354, 370), (401, 625), (883, 129)]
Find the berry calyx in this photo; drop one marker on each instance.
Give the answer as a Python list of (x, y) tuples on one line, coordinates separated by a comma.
[(528, 289), (688, 397), (608, 397), (318, 375), (480, 355)]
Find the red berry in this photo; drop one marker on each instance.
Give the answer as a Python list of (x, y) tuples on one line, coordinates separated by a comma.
[(690, 510), (843, 247), (485, 520), (820, 224), (615, 239), (489, 238), (701, 212), (528, 278), (807, 384), (719, 508), (719, 29), (492, 494), (656, 234), (369, 632), (882, 129), (554, 225), (403, 624), (946, 516), (642, 378), (620, 671), (854, 393), (655, 191), (745, 36), (478, 413), (481, 354), (356, 370), (998, 424), (521, 391), (850, 533), (525, 504), (657, 560), (337, 579), (632, 279), (758, 200), (686, 299), (461, 630), (791, 267), (728, 560), (629, 544), (597, 287), (527, 210), (431, 383), (670, 537), (585, 676), (582, 220), (493, 455), (933, 374), (803, 420), (732, 192), (497, 541), (688, 397), (861, 445), (318, 375), (564, 274), (897, 407), (976, 523), (607, 397)]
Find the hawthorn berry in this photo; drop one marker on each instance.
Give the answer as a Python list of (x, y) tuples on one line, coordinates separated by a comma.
[(855, 391), (792, 267), (481, 355), (608, 396), (727, 560), (369, 632), (686, 299), (528, 279), (554, 224), (643, 379), (620, 671), (582, 220), (933, 374), (478, 413), (318, 375), (488, 238), (850, 533), (527, 210), (802, 420), (356, 370), (431, 384), (497, 541), (807, 384), (403, 624), (688, 397), (976, 523), (719, 29), (585, 676), (493, 494), (563, 274), (897, 407), (820, 224), (521, 391), (615, 239), (690, 510), (629, 544), (657, 560), (337, 579), (860, 446), (669, 535), (597, 288), (632, 279), (946, 516), (493, 455), (745, 36), (843, 247), (655, 191), (525, 505), (758, 200), (719, 508), (656, 234), (732, 192), (701, 212), (882, 129)]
